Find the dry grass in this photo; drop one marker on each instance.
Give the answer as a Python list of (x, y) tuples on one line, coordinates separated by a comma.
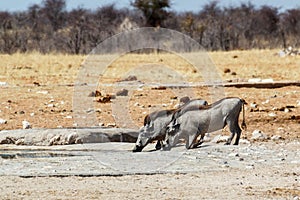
[(18, 69), (262, 64), (22, 99)]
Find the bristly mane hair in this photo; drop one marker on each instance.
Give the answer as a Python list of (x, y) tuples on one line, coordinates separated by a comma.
[(157, 114)]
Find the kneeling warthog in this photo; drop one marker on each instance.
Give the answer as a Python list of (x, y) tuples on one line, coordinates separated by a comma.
[(155, 124), (206, 119)]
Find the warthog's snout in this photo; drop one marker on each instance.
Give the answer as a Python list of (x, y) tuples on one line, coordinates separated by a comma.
[(137, 149)]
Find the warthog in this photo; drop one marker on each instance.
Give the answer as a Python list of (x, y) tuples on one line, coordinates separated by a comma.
[(155, 124), (206, 119)]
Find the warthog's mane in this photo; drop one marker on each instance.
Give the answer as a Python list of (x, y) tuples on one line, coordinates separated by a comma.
[(157, 114)]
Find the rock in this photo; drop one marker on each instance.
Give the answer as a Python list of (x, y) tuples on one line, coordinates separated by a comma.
[(26, 124), (207, 138), (266, 102), (20, 141), (51, 105), (268, 80), (42, 92), (72, 138), (184, 100), (111, 125), (122, 92), (244, 141), (129, 78), (272, 114), (253, 105), (227, 70), (220, 138), (55, 140), (254, 80), (258, 135), (106, 99), (276, 137), (95, 94), (3, 121), (8, 140), (3, 83)]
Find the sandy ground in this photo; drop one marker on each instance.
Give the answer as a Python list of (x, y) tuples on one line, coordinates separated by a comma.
[(49, 105), (233, 184)]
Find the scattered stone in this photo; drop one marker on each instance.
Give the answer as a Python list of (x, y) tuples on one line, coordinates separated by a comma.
[(253, 105), (268, 80), (159, 88), (72, 138), (276, 137), (258, 135), (55, 140), (95, 94), (123, 92), (98, 110), (68, 117), (233, 73), (42, 92), (20, 141), (32, 114), (129, 78), (111, 125), (26, 124), (3, 121), (250, 167), (3, 83), (266, 102), (227, 70), (207, 138), (184, 99), (90, 110), (8, 140), (220, 138), (272, 114), (106, 99), (36, 83), (244, 141), (254, 80), (51, 105), (22, 112)]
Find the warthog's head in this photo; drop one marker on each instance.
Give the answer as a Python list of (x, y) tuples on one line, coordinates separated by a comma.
[(143, 139), (172, 134)]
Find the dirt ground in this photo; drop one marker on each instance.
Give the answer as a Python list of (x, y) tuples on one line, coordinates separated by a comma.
[(45, 100)]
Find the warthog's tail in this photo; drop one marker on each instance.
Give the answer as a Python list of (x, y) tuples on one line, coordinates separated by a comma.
[(244, 126)]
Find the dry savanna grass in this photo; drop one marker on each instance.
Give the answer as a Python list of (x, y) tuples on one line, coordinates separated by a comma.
[(18, 69), (40, 88)]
